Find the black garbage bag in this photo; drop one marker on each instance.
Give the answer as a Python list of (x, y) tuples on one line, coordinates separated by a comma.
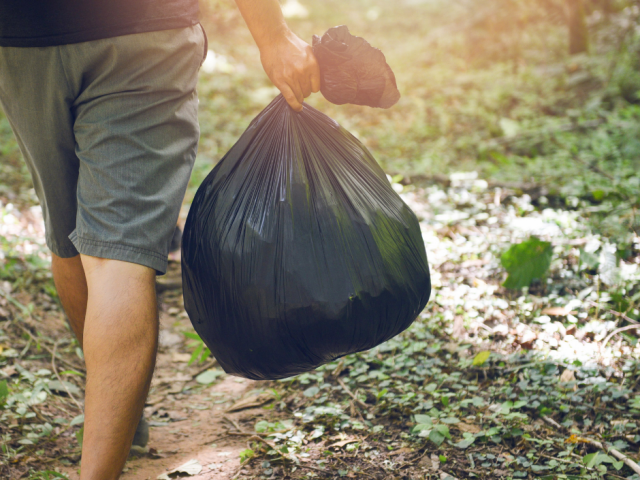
[(352, 71), (297, 251)]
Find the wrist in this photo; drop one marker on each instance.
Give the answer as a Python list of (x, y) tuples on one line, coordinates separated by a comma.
[(273, 36)]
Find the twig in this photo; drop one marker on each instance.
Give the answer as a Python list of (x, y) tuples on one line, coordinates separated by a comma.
[(15, 302), (350, 393), (617, 314), (630, 463), (205, 368), (245, 434), (616, 331), (551, 422), (301, 465), (233, 423), (55, 370), (39, 414), (569, 462), (51, 352), (256, 438)]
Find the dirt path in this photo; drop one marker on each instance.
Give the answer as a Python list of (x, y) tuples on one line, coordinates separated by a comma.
[(190, 420)]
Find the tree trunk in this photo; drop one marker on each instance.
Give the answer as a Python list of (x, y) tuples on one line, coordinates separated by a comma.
[(578, 34)]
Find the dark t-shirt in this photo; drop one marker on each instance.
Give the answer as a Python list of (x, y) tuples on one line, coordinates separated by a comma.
[(42, 23)]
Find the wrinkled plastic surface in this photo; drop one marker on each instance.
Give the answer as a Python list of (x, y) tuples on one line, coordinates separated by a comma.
[(352, 71), (297, 250)]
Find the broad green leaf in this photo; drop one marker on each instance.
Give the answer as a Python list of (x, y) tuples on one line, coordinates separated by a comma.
[(423, 419), (79, 420), (311, 392), (63, 387), (262, 426), (589, 260), (443, 430), (466, 441), (594, 459), (618, 465), (246, 455), (421, 427), (598, 195), (198, 350), (72, 372), (4, 391), (481, 358), (436, 437), (80, 436), (526, 262), (209, 376), (450, 420)]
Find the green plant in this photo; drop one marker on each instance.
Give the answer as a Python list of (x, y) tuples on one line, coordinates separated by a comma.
[(526, 261), (200, 351)]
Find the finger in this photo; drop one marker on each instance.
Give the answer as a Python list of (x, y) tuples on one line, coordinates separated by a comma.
[(305, 85), (296, 89), (290, 97), (315, 82), (314, 77)]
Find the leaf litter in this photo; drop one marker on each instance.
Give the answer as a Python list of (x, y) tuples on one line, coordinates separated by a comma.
[(492, 382)]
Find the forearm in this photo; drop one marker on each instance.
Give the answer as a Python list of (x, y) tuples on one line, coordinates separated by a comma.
[(264, 19), (287, 60)]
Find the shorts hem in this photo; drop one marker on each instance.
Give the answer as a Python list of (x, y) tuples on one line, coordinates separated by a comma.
[(116, 251), (61, 251)]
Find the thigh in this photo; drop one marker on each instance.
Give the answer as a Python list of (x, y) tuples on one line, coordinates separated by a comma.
[(136, 131), (36, 98)]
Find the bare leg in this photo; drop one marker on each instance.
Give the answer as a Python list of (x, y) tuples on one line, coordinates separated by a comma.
[(120, 342), (71, 284)]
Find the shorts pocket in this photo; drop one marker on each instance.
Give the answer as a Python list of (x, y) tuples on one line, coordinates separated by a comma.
[(206, 44)]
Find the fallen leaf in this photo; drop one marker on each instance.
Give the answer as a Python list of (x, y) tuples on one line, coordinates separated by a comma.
[(481, 358), (575, 439), (474, 263), (466, 427), (346, 442), (558, 312), (180, 357), (192, 467), (250, 402), (479, 283), (9, 371), (180, 377), (526, 339), (400, 451), (447, 476), (567, 376), (154, 400), (176, 387), (210, 376), (57, 386), (167, 339)]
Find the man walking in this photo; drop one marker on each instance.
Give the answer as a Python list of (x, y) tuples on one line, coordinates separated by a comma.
[(101, 95)]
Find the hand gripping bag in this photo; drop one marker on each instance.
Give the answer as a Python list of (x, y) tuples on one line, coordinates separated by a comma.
[(297, 251)]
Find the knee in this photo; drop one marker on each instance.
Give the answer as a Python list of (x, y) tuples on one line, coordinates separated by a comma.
[(110, 270)]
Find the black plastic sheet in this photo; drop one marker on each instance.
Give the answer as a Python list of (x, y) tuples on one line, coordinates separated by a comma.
[(352, 71), (297, 250)]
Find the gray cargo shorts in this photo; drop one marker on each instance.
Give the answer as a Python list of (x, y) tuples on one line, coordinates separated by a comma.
[(109, 131)]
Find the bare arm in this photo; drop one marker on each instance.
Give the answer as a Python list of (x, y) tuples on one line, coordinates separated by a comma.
[(288, 60)]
